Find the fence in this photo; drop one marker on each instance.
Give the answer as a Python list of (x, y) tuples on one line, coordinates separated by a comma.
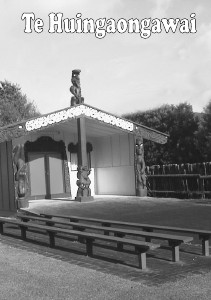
[(181, 181)]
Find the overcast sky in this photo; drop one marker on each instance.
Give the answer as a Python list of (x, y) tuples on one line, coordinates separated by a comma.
[(120, 73)]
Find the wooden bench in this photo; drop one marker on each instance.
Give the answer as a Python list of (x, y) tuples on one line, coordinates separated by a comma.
[(174, 241), (204, 235), (140, 247)]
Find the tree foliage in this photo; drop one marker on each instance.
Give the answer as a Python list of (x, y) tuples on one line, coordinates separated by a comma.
[(14, 105), (181, 124), (204, 133)]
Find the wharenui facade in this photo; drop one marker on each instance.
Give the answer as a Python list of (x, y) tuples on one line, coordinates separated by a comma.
[(74, 153)]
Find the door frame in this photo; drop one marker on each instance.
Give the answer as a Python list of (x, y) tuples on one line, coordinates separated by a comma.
[(47, 145)]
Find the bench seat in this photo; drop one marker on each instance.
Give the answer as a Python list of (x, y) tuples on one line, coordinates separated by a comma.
[(174, 240), (204, 235), (140, 247)]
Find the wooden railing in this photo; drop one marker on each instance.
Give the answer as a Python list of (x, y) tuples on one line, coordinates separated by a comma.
[(180, 185)]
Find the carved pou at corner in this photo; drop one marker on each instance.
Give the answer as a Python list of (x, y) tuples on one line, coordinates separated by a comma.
[(75, 89), (20, 171), (141, 189), (83, 182)]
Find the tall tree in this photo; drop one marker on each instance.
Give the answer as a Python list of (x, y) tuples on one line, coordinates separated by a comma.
[(204, 133), (14, 105), (180, 122)]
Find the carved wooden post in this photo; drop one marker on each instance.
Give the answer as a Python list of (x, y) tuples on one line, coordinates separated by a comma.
[(20, 176), (141, 189), (75, 89), (83, 182), (82, 155)]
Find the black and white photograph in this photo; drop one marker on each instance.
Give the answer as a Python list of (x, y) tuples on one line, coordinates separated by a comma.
[(105, 149)]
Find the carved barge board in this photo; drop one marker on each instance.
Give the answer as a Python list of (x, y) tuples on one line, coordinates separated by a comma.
[(49, 120), (151, 135)]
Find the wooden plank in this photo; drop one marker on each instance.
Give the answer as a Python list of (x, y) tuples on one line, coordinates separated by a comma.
[(119, 232), (1, 228), (129, 224), (142, 262), (205, 247), (78, 233), (82, 154), (175, 253), (106, 225), (23, 231), (1, 188), (140, 247), (175, 250), (205, 244), (150, 134), (89, 247), (174, 176), (47, 177), (147, 227), (4, 177), (173, 240), (51, 239), (148, 239), (11, 182)]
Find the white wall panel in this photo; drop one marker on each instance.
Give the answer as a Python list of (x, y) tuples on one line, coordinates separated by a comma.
[(116, 181), (115, 145), (132, 150), (124, 150), (103, 153), (113, 151)]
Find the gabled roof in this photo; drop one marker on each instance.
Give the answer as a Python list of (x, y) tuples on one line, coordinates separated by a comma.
[(65, 115)]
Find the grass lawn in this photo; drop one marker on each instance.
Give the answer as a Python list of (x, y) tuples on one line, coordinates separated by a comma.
[(188, 279)]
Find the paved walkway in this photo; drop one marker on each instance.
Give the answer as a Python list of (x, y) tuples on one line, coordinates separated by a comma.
[(109, 275)]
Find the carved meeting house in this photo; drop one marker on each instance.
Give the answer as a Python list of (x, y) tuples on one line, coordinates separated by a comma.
[(74, 153)]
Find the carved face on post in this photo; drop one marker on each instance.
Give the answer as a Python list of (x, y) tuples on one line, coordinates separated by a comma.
[(83, 182), (140, 167), (20, 167), (139, 147), (75, 78), (75, 89)]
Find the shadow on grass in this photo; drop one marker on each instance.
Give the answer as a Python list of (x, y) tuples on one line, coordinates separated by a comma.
[(41, 238), (198, 253), (68, 249)]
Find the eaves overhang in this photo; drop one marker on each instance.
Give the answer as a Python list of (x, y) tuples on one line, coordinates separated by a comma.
[(82, 110)]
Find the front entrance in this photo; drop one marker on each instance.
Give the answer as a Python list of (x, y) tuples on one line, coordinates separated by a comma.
[(48, 175)]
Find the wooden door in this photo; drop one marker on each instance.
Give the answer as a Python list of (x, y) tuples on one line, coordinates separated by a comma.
[(37, 171), (56, 173), (46, 175)]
